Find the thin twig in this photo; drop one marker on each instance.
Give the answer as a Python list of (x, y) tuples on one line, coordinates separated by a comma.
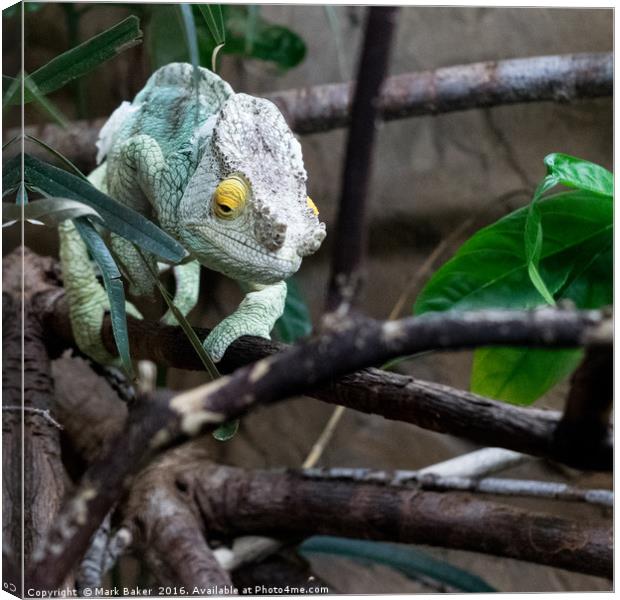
[(322, 441), (487, 485)]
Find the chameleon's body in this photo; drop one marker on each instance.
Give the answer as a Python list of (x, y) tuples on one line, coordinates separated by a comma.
[(220, 172)]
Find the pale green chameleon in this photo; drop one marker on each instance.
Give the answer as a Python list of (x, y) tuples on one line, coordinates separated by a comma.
[(220, 172)]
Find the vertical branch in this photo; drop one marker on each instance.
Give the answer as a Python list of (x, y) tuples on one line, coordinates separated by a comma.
[(350, 236), (585, 422)]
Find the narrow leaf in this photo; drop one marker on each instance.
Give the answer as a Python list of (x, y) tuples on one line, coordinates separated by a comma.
[(57, 154), (117, 217), (212, 14), (113, 286), (191, 39), (84, 58), (581, 174), (50, 211), (412, 562), (187, 328), (47, 106)]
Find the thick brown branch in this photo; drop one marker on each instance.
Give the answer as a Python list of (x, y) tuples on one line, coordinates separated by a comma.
[(234, 501), (160, 420), (561, 78), (429, 405), (34, 474)]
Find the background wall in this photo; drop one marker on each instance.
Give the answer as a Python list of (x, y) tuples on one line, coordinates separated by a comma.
[(431, 174)]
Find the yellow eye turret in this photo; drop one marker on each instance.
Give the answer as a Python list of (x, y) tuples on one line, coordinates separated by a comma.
[(230, 197), (312, 205)]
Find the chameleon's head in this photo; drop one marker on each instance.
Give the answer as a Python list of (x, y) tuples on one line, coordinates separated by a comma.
[(246, 212)]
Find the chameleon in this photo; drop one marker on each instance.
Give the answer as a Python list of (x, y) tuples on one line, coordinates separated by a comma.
[(219, 171)]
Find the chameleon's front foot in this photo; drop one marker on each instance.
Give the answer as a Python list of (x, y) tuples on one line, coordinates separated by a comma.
[(256, 315)]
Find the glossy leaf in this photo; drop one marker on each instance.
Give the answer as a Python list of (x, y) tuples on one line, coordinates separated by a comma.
[(295, 321), (117, 217), (84, 58), (113, 286), (520, 375), (581, 174), (411, 562), (491, 270), (533, 238)]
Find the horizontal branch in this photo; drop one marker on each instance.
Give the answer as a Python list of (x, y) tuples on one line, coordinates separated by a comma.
[(425, 404), (560, 78), (161, 420), (233, 501), (487, 485)]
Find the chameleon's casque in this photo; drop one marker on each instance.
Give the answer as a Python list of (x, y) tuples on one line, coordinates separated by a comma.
[(223, 174)]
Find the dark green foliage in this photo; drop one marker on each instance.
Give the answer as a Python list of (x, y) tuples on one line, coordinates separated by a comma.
[(295, 321)]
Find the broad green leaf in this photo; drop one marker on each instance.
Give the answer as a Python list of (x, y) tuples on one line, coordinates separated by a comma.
[(581, 174), (520, 375), (50, 211), (84, 58), (117, 217), (113, 286), (295, 321), (491, 270), (411, 562), (212, 14), (227, 431)]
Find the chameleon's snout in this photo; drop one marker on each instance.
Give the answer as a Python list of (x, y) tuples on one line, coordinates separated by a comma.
[(312, 242)]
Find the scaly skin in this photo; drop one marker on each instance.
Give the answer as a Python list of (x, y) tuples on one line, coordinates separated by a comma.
[(225, 177)]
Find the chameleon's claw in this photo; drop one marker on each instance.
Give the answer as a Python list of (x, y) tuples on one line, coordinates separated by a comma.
[(230, 329), (256, 315)]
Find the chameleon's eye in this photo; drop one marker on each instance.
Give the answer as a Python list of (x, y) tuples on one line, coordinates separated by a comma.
[(230, 197), (312, 205)]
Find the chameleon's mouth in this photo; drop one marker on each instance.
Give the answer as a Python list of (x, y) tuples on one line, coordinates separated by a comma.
[(236, 257)]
